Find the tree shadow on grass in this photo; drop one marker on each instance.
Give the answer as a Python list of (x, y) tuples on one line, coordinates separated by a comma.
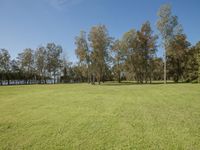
[(117, 84), (128, 83), (125, 83)]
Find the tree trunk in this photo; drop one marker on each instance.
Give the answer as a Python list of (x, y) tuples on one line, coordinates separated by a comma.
[(165, 67), (88, 75), (1, 82), (93, 79), (54, 78), (103, 78), (119, 77)]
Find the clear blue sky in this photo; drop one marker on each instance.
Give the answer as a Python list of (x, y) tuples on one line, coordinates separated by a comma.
[(31, 23)]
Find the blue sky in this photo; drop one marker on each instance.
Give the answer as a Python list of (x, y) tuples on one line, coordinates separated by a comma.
[(31, 23)]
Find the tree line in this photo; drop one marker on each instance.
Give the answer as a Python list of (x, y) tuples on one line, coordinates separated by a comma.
[(104, 58)]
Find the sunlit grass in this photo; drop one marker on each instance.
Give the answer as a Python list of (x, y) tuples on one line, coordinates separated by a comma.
[(109, 116)]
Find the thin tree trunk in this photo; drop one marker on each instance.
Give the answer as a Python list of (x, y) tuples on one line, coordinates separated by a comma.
[(99, 79), (119, 78), (54, 78), (165, 67), (1, 81), (93, 79), (88, 74)]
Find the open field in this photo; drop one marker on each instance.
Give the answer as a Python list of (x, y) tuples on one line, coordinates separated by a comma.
[(109, 116)]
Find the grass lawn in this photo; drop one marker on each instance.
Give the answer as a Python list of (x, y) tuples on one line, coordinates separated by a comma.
[(109, 116)]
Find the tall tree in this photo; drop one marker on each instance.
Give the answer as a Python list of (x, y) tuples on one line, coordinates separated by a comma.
[(118, 58), (191, 66), (140, 49), (129, 46), (26, 59), (147, 48), (54, 60), (15, 71), (198, 60), (82, 51), (40, 62), (168, 26), (177, 56), (100, 42), (4, 65)]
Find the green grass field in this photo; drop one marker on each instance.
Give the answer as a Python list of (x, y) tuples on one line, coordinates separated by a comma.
[(109, 116)]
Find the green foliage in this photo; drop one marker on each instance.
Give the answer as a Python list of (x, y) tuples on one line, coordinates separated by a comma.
[(4, 60), (83, 53), (26, 61), (4, 65), (118, 59), (177, 57), (41, 61), (100, 43), (198, 59), (140, 48), (53, 59), (82, 49), (191, 67)]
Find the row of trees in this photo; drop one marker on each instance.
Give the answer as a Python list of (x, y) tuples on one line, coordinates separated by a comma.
[(31, 66), (135, 53), (102, 58)]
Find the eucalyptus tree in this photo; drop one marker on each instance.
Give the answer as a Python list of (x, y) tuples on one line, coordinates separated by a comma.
[(16, 73), (129, 46), (4, 65), (100, 43), (177, 56), (147, 50), (83, 53), (198, 59), (41, 63), (191, 65), (26, 61), (168, 26), (118, 58), (54, 60), (157, 69)]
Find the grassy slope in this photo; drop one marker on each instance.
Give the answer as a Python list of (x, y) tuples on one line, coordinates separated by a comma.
[(100, 117)]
